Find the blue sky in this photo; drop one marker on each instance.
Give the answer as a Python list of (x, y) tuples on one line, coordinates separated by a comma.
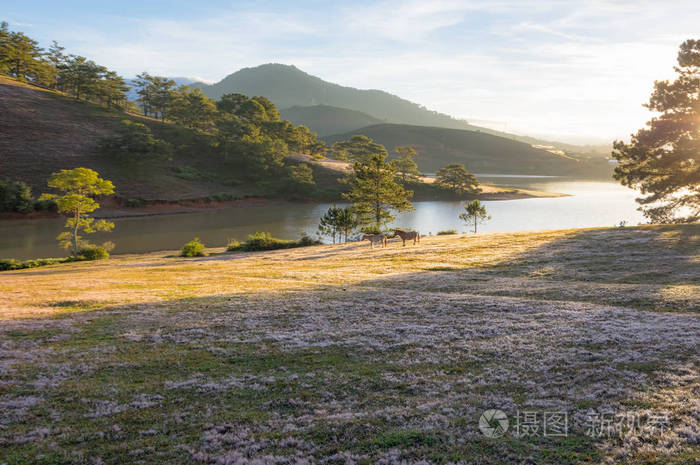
[(578, 70)]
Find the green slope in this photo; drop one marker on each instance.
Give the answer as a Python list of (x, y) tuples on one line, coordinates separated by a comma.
[(43, 132), (478, 151), (326, 120)]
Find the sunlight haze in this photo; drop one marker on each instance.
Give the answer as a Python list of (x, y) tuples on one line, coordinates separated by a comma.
[(575, 71)]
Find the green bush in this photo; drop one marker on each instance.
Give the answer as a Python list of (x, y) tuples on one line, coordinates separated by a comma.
[(193, 248), (93, 252), (46, 205), (447, 232), (16, 196), (265, 241), (7, 264), (135, 143), (233, 245)]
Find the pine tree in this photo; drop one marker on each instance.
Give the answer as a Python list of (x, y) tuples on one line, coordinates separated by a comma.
[(663, 159), (375, 193)]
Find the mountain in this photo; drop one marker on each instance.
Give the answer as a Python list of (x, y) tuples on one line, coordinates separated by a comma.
[(326, 120), (287, 86), (478, 151)]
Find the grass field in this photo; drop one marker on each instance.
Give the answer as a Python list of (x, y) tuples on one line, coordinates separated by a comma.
[(342, 354)]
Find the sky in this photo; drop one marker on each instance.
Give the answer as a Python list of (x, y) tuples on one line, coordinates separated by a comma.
[(576, 71)]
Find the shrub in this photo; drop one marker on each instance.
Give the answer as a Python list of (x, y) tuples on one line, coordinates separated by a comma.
[(265, 241), (45, 205), (447, 232), (15, 196), (7, 264), (135, 143), (193, 248), (95, 252)]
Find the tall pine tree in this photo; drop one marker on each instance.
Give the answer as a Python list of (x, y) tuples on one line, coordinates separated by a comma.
[(663, 159)]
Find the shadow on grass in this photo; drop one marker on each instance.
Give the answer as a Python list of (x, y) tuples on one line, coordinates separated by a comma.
[(399, 365)]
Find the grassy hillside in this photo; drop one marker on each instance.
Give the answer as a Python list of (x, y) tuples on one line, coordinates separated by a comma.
[(478, 151), (45, 131), (334, 354), (325, 120)]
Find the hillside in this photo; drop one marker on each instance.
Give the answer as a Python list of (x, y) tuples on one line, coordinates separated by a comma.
[(478, 151), (342, 354), (325, 120), (44, 131), (287, 86)]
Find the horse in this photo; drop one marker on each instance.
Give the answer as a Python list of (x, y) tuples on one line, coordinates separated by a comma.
[(407, 235), (372, 238)]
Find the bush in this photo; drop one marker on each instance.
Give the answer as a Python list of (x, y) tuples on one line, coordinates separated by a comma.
[(233, 245), (265, 241), (447, 232), (193, 248), (15, 196), (135, 143), (46, 205), (93, 252), (7, 264)]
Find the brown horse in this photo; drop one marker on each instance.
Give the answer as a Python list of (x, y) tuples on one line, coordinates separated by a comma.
[(407, 235), (372, 238)]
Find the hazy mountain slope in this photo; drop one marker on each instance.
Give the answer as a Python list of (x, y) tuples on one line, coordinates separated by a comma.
[(478, 151), (325, 120), (287, 86)]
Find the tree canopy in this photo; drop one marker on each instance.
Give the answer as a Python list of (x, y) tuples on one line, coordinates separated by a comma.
[(663, 159), (456, 178), (374, 191), (78, 187), (405, 164), (357, 148), (474, 214), (22, 58)]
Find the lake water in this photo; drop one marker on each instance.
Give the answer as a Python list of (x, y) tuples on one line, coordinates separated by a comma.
[(590, 204)]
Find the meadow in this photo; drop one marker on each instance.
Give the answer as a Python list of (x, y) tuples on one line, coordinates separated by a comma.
[(342, 354)]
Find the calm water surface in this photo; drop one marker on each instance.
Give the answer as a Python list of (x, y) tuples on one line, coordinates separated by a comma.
[(590, 204)]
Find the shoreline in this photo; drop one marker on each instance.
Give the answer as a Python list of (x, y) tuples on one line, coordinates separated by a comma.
[(489, 193)]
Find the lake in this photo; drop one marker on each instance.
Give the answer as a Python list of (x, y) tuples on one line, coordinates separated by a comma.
[(590, 204)]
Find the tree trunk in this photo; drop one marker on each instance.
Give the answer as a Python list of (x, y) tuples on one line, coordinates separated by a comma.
[(75, 235)]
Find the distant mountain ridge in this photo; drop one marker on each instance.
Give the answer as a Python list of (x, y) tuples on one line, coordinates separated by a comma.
[(478, 151), (287, 86), (326, 120)]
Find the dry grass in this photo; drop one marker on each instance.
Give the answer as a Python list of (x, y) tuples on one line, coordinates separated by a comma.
[(342, 354)]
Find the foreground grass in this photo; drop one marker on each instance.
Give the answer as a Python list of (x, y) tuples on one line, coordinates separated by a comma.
[(340, 354)]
